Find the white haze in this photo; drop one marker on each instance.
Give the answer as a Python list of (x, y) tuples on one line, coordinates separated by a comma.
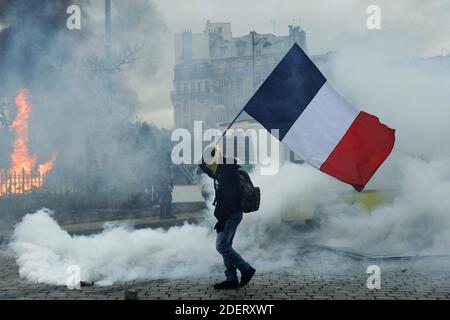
[(383, 74), (44, 251)]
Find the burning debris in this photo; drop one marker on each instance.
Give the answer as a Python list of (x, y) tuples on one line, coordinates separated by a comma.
[(91, 119), (22, 177)]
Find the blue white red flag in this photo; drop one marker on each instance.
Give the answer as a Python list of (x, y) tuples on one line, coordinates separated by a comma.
[(318, 124)]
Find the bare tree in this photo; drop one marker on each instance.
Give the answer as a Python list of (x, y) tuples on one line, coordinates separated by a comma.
[(3, 118), (127, 55)]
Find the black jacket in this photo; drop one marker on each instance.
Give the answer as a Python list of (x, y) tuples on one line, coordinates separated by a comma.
[(226, 185)]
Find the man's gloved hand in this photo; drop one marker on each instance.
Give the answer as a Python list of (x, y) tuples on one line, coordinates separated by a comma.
[(220, 226)]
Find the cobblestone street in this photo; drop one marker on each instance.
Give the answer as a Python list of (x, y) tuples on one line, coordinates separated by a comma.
[(319, 274)]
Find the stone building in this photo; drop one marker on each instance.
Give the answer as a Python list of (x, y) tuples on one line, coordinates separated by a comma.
[(216, 73)]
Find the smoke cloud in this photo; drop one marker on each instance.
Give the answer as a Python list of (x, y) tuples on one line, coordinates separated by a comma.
[(84, 108), (388, 73), (44, 251)]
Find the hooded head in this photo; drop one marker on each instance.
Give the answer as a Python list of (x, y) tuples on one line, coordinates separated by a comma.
[(215, 159)]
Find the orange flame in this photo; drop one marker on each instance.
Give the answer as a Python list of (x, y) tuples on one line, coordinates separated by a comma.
[(20, 159), (46, 167), (21, 179)]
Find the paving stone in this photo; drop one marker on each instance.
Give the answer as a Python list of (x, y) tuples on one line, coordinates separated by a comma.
[(303, 281)]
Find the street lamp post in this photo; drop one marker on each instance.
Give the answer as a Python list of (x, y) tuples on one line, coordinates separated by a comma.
[(255, 41), (108, 54), (108, 33)]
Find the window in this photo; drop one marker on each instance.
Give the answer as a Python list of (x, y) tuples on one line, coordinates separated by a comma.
[(220, 85), (239, 85), (220, 100), (221, 117), (185, 87), (194, 113), (199, 87), (240, 51), (207, 86), (178, 87), (185, 108)]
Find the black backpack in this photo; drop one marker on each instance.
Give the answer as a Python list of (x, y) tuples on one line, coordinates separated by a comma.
[(250, 195)]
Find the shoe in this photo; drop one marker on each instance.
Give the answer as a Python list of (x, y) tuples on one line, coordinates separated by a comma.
[(247, 276), (227, 285)]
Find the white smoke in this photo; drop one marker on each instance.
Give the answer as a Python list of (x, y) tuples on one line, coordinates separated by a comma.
[(415, 222), (44, 251), (380, 73), (386, 76)]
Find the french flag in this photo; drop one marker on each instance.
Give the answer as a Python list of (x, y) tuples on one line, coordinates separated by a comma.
[(318, 124)]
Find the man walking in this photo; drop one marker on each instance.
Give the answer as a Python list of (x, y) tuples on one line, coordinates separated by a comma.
[(228, 212)]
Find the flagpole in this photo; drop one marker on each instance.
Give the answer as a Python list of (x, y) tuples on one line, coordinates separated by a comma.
[(229, 126)]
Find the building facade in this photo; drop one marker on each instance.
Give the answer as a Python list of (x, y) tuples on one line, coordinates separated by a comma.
[(215, 73)]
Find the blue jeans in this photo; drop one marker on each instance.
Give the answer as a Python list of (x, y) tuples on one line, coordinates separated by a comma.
[(224, 241)]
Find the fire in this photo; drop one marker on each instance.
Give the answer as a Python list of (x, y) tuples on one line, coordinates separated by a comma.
[(22, 177), (46, 167), (20, 159)]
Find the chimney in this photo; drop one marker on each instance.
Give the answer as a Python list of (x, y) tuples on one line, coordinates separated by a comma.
[(298, 36), (186, 45)]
